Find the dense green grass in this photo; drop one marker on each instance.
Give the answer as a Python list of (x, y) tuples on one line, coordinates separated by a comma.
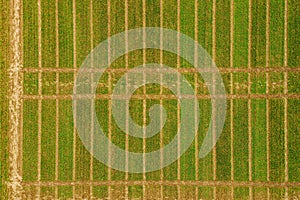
[(4, 123), (135, 58)]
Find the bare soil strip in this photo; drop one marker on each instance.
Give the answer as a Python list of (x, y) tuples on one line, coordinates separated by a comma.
[(15, 101)]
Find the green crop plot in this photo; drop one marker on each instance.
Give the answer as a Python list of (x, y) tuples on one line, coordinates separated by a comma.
[(255, 46)]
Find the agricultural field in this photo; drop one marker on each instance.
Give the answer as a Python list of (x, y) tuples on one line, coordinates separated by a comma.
[(254, 44)]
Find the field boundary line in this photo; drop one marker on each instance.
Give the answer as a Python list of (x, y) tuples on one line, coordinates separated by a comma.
[(15, 100), (22, 104), (169, 183)]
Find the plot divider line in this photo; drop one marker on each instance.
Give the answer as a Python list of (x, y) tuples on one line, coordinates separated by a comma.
[(213, 102), (15, 101), (196, 100), (144, 99), (74, 101), (182, 70), (249, 100), (286, 148), (40, 93), (109, 100), (231, 92), (260, 184), (127, 101), (267, 91), (196, 136), (161, 101), (178, 101), (56, 100), (93, 100), (168, 96)]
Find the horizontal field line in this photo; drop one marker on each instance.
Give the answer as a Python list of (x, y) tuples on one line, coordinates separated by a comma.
[(182, 70), (268, 184), (164, 96)]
